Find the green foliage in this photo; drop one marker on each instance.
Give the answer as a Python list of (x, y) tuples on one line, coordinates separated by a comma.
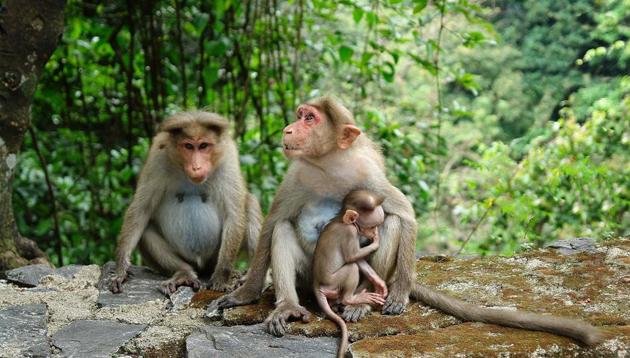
[(518, 110), (573, 181)]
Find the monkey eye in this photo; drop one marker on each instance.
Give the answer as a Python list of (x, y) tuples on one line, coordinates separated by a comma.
[(203, 145), (310, 117), (189, 146)]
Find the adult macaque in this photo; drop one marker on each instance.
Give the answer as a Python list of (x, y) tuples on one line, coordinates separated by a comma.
[(330, 159), (338, 258), (191, 209)]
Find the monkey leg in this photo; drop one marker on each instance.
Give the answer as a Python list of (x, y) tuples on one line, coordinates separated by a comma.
[(287, 259), (394, 261), (160, 255)]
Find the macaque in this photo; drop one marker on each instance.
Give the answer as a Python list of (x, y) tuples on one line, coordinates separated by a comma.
[(338, 258), (330, 158), (191, 210)]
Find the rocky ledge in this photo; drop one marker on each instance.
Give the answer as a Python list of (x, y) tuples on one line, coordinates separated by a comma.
[(69, 312)]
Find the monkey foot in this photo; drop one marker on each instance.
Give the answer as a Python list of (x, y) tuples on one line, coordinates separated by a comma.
[(355, 313), (393, 306), (277, 320), (117, 283), (179, 279)]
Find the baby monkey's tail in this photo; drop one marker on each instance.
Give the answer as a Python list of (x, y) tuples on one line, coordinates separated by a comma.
[(323, 304)]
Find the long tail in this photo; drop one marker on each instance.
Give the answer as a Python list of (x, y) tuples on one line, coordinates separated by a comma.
[(575, 329), (323, 304)]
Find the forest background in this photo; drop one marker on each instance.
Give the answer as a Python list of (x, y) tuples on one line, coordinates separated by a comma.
[(506, 123)]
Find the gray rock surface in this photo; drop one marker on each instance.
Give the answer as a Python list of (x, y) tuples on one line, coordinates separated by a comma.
[(182, 297), (253, 341), (573, 246), (23, 331), (141, 286), (92, 338), (31, 275)]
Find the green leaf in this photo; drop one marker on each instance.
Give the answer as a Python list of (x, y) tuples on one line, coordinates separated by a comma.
[(419, 5), (357, 14), (345, 53)]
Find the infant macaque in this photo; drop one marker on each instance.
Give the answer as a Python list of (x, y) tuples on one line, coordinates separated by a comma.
[(339, 257)]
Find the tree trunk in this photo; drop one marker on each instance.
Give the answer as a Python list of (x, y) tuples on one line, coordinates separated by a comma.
[(29, 32)]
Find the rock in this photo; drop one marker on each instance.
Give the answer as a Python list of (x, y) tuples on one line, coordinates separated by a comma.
[(23, 331), (29, 275), (253, 341), (69, 271), (573, 246), (91, 338), (141, 286), (485, 340), (181, 298)]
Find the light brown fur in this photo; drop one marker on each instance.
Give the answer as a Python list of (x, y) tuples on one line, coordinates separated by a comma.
[(338, 258), (156, 207), (322, 168)]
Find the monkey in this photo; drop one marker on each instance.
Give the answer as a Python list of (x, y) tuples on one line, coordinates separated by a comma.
[(338, 258), (329, 158), (191, 209)]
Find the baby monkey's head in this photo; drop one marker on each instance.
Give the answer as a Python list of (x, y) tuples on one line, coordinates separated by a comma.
[(363, 209)]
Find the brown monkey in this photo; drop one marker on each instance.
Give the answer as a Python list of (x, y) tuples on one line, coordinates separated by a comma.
[(191, 209), (329, 159), (338, 258)]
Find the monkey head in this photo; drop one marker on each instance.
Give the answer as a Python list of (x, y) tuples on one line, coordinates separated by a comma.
[(364, 210), (195, 142), (321, 126)]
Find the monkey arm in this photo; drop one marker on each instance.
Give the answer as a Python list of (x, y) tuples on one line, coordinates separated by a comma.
[(232, 236), (351, 250), (148, 195), (379, 285)]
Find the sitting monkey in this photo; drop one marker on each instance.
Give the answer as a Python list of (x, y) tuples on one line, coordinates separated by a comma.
[(338, 257), (191, 209)]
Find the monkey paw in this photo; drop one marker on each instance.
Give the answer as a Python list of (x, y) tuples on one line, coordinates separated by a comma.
[(277, 320), (393, 306), (355, 313), (170, 286), (117, 283)]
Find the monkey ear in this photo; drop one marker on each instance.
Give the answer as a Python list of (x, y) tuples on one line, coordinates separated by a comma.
[(349, 134), (350, 217)]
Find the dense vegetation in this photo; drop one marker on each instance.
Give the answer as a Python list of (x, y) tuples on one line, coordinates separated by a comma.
[(507, 123)]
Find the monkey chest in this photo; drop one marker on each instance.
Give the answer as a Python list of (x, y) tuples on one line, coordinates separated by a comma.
[(312, 219), (190, 222)]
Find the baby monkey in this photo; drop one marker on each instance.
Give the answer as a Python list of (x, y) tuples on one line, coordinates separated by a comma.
[(338, 257)]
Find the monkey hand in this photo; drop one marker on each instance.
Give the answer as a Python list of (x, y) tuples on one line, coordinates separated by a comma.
[(119, 277), (379, 286), (221, 280), (396, 301), (241, 296), (277, 320)]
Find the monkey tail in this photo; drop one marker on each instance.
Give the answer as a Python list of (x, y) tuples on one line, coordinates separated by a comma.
[(323, 304), (575, 329)]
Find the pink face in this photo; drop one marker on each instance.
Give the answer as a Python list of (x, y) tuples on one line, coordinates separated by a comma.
[(197, 157), (310, 127)]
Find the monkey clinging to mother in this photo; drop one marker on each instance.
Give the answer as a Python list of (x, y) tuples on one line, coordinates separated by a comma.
[(330, 157), (191, 210)]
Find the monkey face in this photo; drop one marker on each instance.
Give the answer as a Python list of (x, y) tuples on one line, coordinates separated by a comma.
[(196, 157), (311, 135)]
